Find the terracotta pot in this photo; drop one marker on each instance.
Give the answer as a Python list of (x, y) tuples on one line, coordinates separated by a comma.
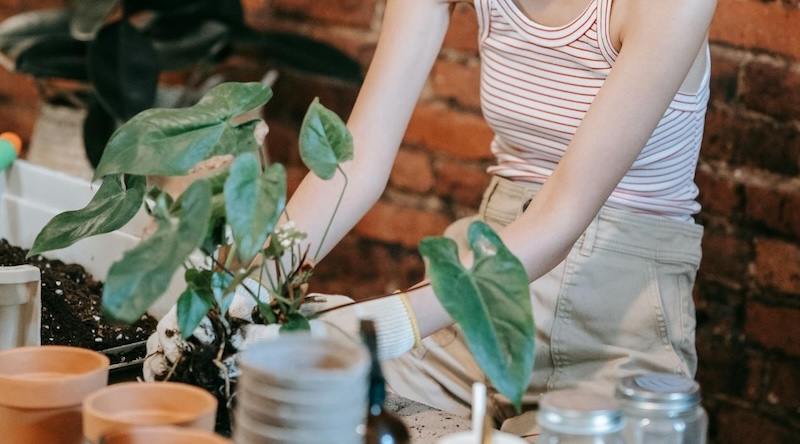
[(163, 435), (123, 406), (20, 306), (42, 390)]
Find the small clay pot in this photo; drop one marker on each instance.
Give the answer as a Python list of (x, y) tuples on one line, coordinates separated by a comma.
[(126, 405), (163, 435), (42, 390)]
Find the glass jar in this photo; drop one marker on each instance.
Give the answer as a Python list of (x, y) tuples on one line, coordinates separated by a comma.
[(579, 417), (662, 408)]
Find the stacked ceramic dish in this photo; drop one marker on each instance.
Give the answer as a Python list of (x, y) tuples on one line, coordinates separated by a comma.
[(299, 389)]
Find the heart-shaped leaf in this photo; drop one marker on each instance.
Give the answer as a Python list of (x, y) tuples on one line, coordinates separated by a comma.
[(144, 272), (193, 305), (21, 30), (114, 204), (491, 302), (221, 287), (172, 141), (325, 141), (123, 68), (253, 203)]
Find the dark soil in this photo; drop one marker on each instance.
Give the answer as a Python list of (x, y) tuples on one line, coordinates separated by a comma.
[(72, 311)]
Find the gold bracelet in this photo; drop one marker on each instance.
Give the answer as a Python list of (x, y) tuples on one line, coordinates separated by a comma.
[(411, 316)]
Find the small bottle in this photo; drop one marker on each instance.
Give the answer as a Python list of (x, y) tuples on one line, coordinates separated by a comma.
[(574, 416), (383, 426), (662, 409)]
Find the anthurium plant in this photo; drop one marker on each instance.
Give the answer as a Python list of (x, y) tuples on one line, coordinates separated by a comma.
[(231, 215)]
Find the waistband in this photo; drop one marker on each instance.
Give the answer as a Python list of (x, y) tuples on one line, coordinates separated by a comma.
[(642, 235)]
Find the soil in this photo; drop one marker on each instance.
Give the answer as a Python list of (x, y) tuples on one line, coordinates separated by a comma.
[(71, 308)]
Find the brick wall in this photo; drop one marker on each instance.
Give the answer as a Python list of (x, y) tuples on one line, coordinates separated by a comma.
[(748, 292)]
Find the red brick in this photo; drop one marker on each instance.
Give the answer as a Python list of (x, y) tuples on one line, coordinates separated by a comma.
[(18, 87), (395, 224), (773, 90), (458, 133), (775, 204), (348, 12), (19, 119), (724, 78), (752, 142), (777, 265), (14, 5), (464, 184), (757, 25), (412, 171), (717, 139), (739, 425), (725, 256), (282, 142), (784, 384), (754, 387), (773, 327), (457, 81), (463, 31), (720, 193)]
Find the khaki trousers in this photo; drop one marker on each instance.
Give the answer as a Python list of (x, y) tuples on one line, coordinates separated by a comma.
[(620, 304)]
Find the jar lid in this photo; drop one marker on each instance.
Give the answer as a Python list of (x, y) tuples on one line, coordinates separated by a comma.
[(580, 413), (659, 391)]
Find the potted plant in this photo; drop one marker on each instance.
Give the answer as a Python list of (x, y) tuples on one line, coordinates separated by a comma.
[(103, 58), (232, 214)]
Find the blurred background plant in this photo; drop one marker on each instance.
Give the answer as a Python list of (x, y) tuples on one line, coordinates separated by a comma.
[(107, 56)]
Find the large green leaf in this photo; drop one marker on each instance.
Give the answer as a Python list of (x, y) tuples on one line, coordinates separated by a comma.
[(172, 141), (114, 204), (20, 30), (325, 140), (58, 56), (298, 52), (123, 68), (253, 203), (203, 40), (491, 302), (144, 273)]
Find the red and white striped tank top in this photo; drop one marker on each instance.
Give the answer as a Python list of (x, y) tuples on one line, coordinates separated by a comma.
[(537, 83)]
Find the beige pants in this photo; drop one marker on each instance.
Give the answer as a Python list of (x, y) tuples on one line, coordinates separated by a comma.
[(619, 304)]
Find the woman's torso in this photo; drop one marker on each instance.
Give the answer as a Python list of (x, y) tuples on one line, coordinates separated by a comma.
[(537, 82)]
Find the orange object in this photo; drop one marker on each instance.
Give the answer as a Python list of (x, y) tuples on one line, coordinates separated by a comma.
[(14, 139)]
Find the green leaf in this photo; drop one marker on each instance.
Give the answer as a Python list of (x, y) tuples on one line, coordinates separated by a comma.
[(491, 302), (123, 68), (19, 31), (193, 306), (325, 141), (58, 56), (253, 203), (187, 49), (114, 204), (296, 322), (172, 141), (144, 273), (221, 288)]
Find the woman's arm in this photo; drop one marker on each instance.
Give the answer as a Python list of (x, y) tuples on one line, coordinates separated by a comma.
[(411, 37), (660, 41)]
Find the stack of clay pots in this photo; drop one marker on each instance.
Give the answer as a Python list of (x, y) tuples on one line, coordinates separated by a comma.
[(299, 389)]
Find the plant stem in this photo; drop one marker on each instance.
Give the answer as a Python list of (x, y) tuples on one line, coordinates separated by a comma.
[(335, 210), (231, 254)]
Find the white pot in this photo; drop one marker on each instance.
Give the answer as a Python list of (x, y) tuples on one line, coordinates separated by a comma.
[(20, 306), (31, 195)]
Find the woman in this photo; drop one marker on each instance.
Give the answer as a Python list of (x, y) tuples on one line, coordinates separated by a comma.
[(598, 109)]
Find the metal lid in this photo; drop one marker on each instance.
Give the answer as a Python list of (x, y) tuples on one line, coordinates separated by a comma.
[(580, 413), (659, 391)]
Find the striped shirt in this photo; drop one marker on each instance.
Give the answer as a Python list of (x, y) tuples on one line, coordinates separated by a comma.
[(537, 83)]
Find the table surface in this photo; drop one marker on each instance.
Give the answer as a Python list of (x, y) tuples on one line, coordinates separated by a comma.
[(425, 424)]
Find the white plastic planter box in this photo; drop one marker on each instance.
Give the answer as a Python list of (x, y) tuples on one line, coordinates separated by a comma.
[(30, 195)]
